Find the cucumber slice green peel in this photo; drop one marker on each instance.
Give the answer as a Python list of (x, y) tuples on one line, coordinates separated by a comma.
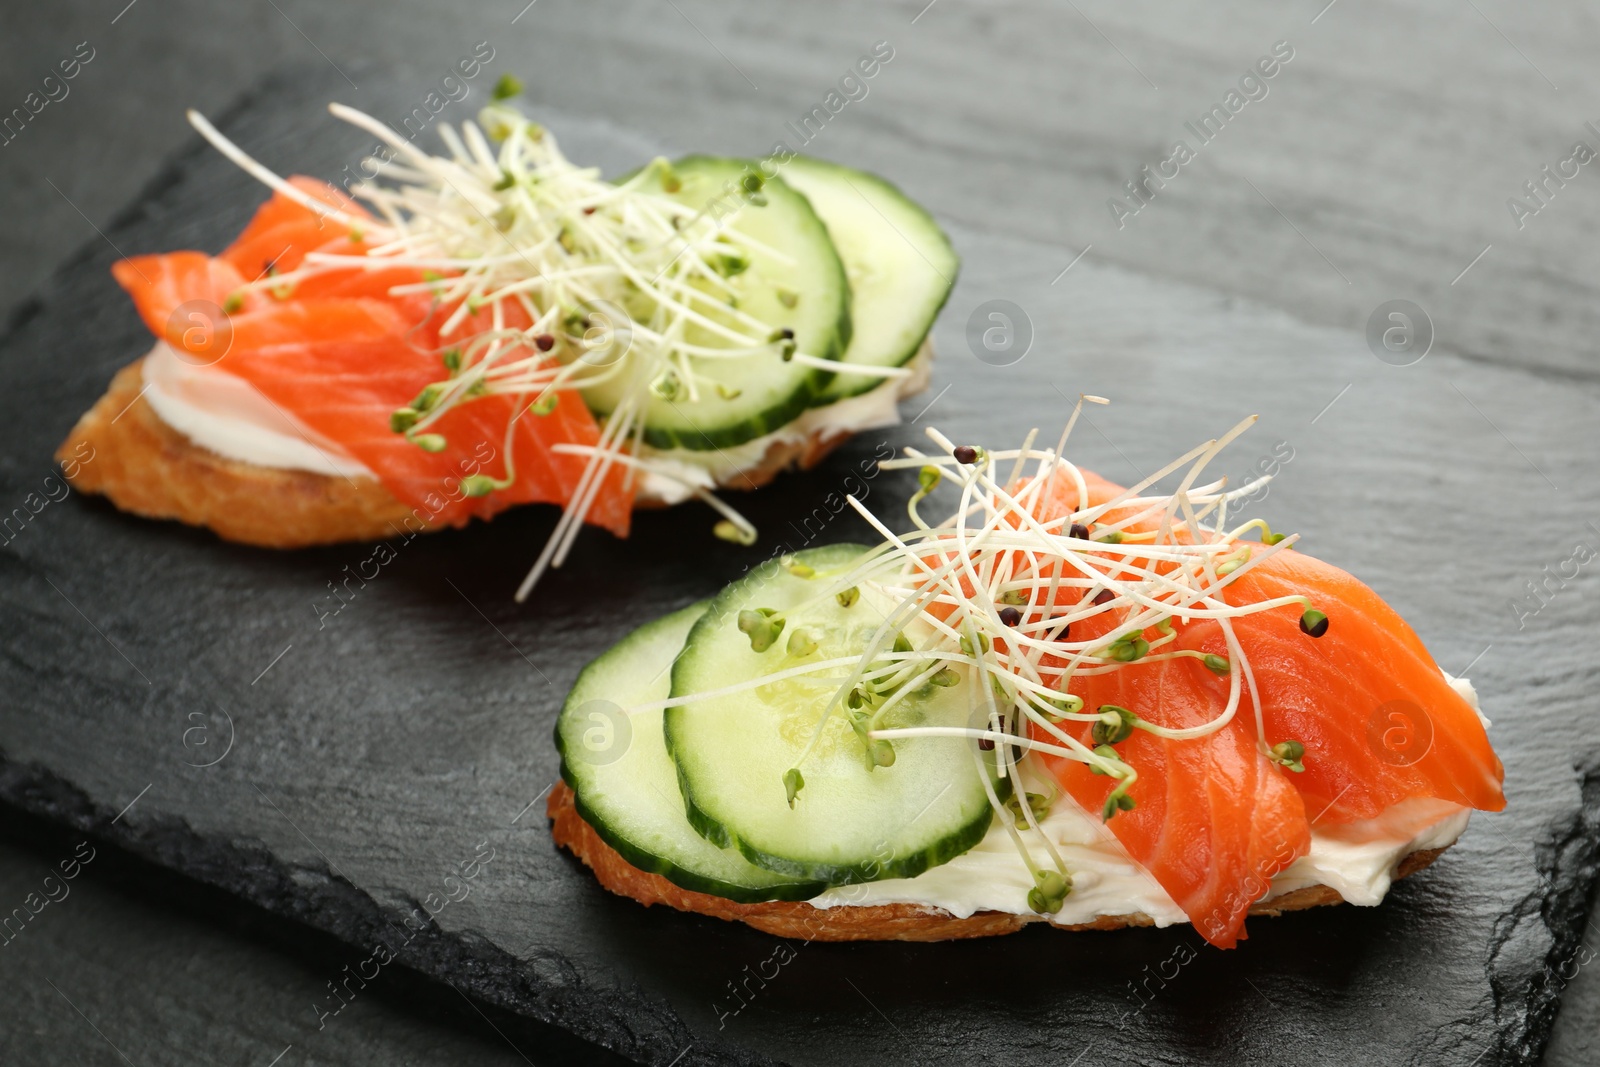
[(625, 784), (544, 279), (671, 307), (753, 355), (863, 808), (900, 264), (830, 714)]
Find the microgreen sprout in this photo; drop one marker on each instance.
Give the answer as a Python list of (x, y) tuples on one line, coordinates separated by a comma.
[(1233, 562), (1114, 726), (530, 261), (1038, 807), (761, 626), (1127, 648), (282, 291), (1119, 800), (481, 485), (991, 598), (966, 645), (1313, 622), (968, 455), (429, 442), (802, 642), (1049, 892), (728, 530), (1105, 752), (508, 86), (1289, 754), (793, 782), (426, 399), (1059, 707)]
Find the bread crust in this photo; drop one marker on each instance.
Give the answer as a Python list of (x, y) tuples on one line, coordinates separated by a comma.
[(877, 922), (144, 466)]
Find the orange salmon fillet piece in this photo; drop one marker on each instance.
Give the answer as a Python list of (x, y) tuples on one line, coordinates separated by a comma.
[(340, 354), (1214, 817)]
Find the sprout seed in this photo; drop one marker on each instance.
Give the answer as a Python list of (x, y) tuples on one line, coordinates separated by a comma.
[(734, 533), (429, 442), (1115, 725)]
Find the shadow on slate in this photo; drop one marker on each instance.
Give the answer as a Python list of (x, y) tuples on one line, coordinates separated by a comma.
[(336, 768), (274, 924)]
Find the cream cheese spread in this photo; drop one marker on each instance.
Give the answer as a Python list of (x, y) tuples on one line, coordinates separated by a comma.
[(1357, 860), (229, 416), (871, 410)]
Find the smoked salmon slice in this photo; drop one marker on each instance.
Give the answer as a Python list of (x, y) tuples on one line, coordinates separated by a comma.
[(1215, 817), (161, 284), (339, 353), (1379, 720), (282, 230)]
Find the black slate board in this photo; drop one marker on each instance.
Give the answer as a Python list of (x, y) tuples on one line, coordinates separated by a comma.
[(373, 751)]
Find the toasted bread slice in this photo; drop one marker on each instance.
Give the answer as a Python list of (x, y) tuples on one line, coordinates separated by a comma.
[(877, 922), (144, 466)]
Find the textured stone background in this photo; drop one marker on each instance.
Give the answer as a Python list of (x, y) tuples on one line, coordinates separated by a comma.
[(1389, 145)]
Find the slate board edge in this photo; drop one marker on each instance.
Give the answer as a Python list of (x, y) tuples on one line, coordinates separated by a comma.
[(623, 1021), (628, 1023), (1569, 866)]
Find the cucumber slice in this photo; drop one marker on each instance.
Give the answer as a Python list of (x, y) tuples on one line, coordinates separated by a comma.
[(625, 782), (850, 823), (760, 393), (899, 262)]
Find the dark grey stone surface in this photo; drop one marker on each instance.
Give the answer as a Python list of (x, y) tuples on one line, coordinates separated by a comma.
[(408, 731), (127, 961)]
